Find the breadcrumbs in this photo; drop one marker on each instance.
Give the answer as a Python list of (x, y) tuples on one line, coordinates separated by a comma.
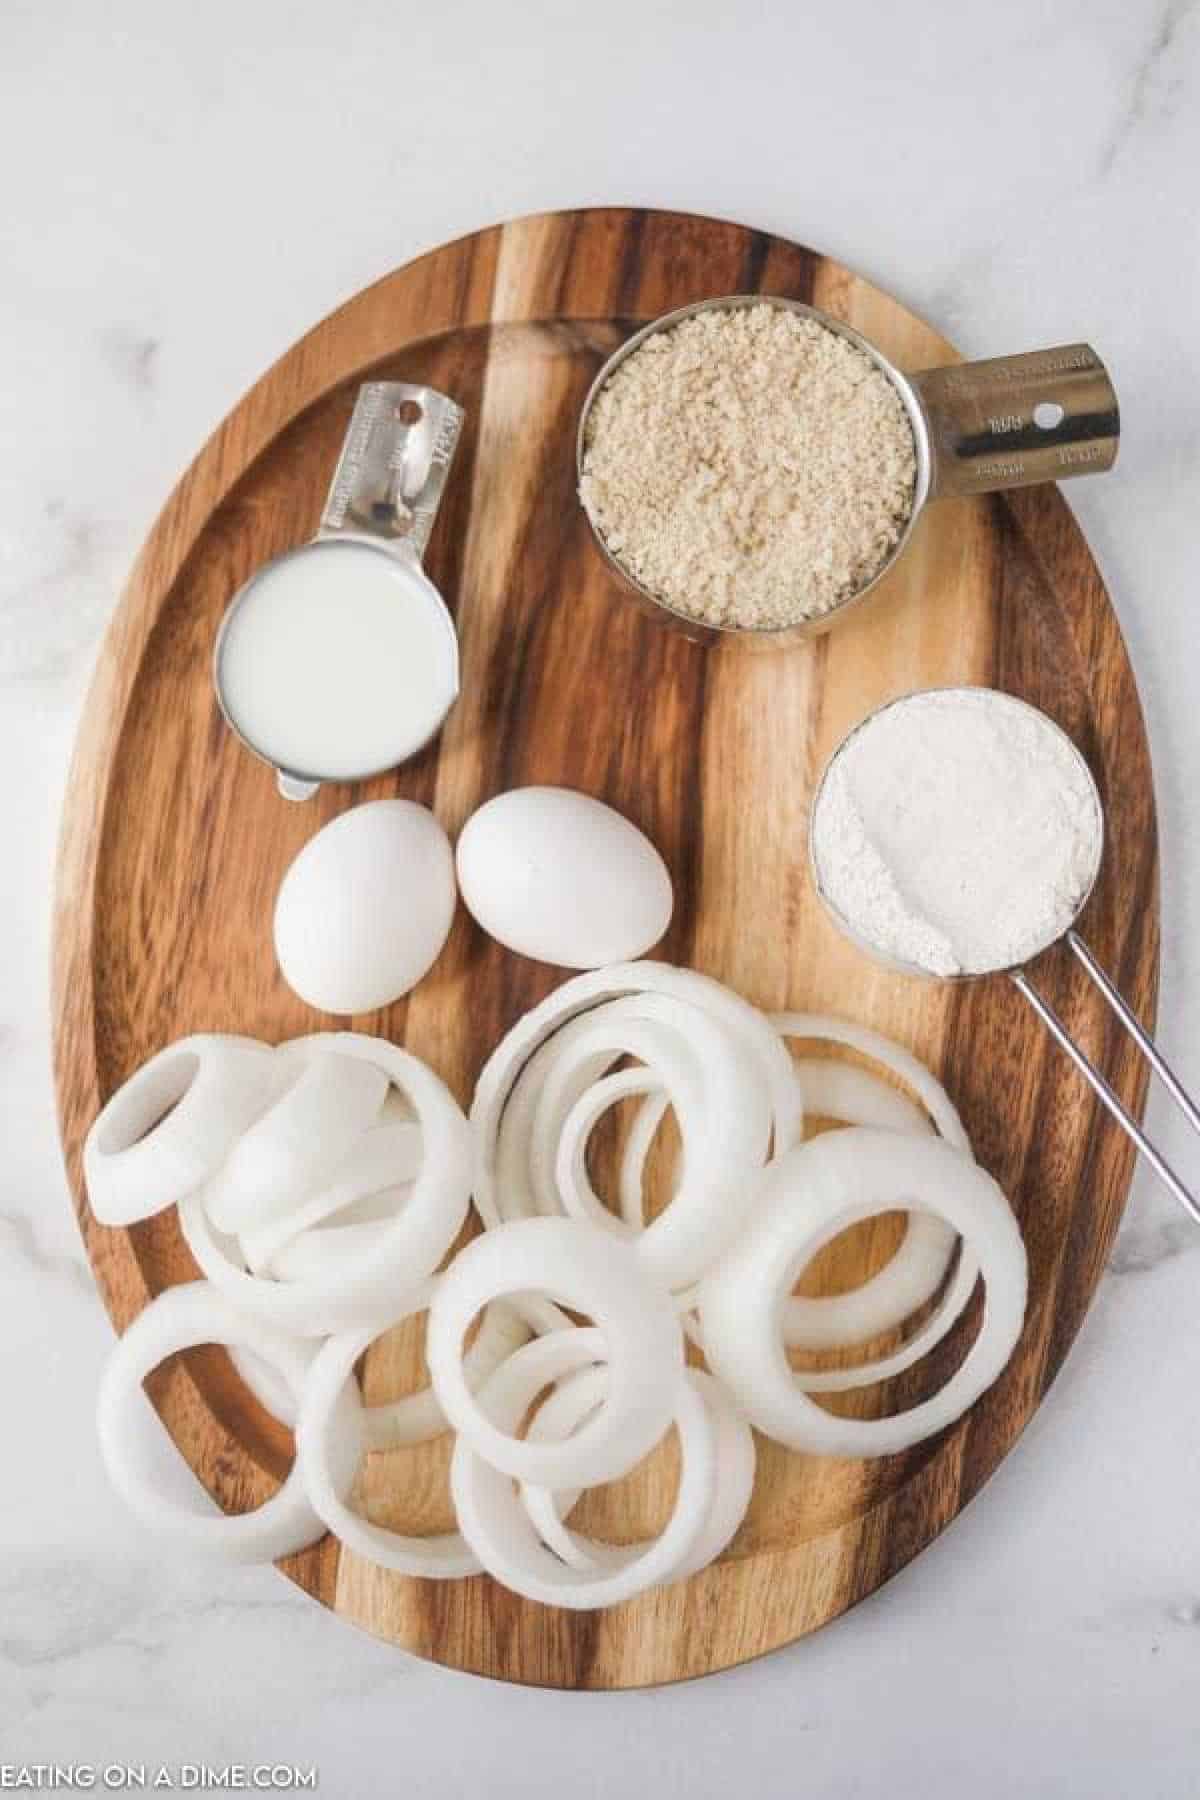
[(749, 467)]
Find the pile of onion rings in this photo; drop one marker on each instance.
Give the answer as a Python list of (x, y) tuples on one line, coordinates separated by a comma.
[(321, 1186)]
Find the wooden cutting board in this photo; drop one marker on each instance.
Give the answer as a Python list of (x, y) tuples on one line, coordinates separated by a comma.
[(174, 841)]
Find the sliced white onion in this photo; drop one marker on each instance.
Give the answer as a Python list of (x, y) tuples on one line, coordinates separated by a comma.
[(845, 1177), (417, 1239), (574, 1400), (632, 1177), (514, 1194), (842, 1091), (414, 1418), (268, 1386), (299, 1142), (726, 1128), (736, 1463), (335, 1250), (323, 1441), (492, 1516), (717, 1073), (913, 1274), (834, 1089), (171, 1125), (372, 1209), (821, 1028), (931, 1332), (831, 1089), (758, 1040), (384, 1156), (305, 1255), (661, 1042), (391, 1424), (178, 1319), (588, 1270), (525, 1185), (579, 1199), (570, 1404)]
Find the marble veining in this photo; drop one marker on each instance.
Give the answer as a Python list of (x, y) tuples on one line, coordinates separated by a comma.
[(1143, 1247), (193, 188), (133, 354), (1156, 85)]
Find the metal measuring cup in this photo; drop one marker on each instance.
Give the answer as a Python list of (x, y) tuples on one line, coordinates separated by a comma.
[(978, 428), (1019, 975), (384, 496)]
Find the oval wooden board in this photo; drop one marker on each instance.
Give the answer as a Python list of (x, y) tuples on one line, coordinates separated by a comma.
[(174, 841)]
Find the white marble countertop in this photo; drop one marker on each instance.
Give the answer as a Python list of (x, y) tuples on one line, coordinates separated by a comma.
[(187, 189)]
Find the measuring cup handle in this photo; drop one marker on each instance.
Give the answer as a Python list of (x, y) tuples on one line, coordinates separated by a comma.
[(1100, 1087), (1014, 421), (392, 471)]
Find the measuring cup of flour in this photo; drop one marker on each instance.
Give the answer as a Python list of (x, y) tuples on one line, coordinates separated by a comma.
[(958, 832), (339, 659), (751, 468)]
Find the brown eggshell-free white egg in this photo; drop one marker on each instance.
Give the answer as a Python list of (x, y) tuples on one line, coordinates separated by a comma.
[(365, 907), (559, 876)]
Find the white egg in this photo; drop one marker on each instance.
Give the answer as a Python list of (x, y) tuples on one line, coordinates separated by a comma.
[(563, 878), (365, 907)]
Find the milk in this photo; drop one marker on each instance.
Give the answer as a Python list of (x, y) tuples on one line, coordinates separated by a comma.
[(338, 660)]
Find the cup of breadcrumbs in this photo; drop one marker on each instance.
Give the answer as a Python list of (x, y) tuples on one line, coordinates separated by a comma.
[(747, 466), (751, 467)]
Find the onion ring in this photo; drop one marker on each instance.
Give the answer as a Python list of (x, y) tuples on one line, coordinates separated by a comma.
[(273, 1393), (417, 1239), (385, 1156), (328, 1253), (298, 1143), (329, 1390), (631, 1180), (415, 1418), (834, 1089), (586, 1269), (525, 1176), (515, 1196), (600, 1038), (914, 1273), (709, 1041), (720, 1110), (178, 1319), (821, 1028), (494, 1520), (753, 1032), (741, 1304), (842, 1091), (579, 1200), (169, 1128), (567, 1407)]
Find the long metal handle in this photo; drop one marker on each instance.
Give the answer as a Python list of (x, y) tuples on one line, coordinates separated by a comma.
[(1014, 421), (1100, 1086)]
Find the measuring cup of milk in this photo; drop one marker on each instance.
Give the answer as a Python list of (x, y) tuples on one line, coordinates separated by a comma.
[(339, 659)]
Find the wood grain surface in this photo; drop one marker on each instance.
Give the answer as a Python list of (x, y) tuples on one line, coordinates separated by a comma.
[(174, 841)]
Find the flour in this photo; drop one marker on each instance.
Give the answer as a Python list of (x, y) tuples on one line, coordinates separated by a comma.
[(957, 830)]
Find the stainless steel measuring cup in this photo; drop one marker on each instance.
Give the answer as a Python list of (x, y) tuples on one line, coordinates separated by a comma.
[(978, 427), (1019, 976), (385, 494)]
